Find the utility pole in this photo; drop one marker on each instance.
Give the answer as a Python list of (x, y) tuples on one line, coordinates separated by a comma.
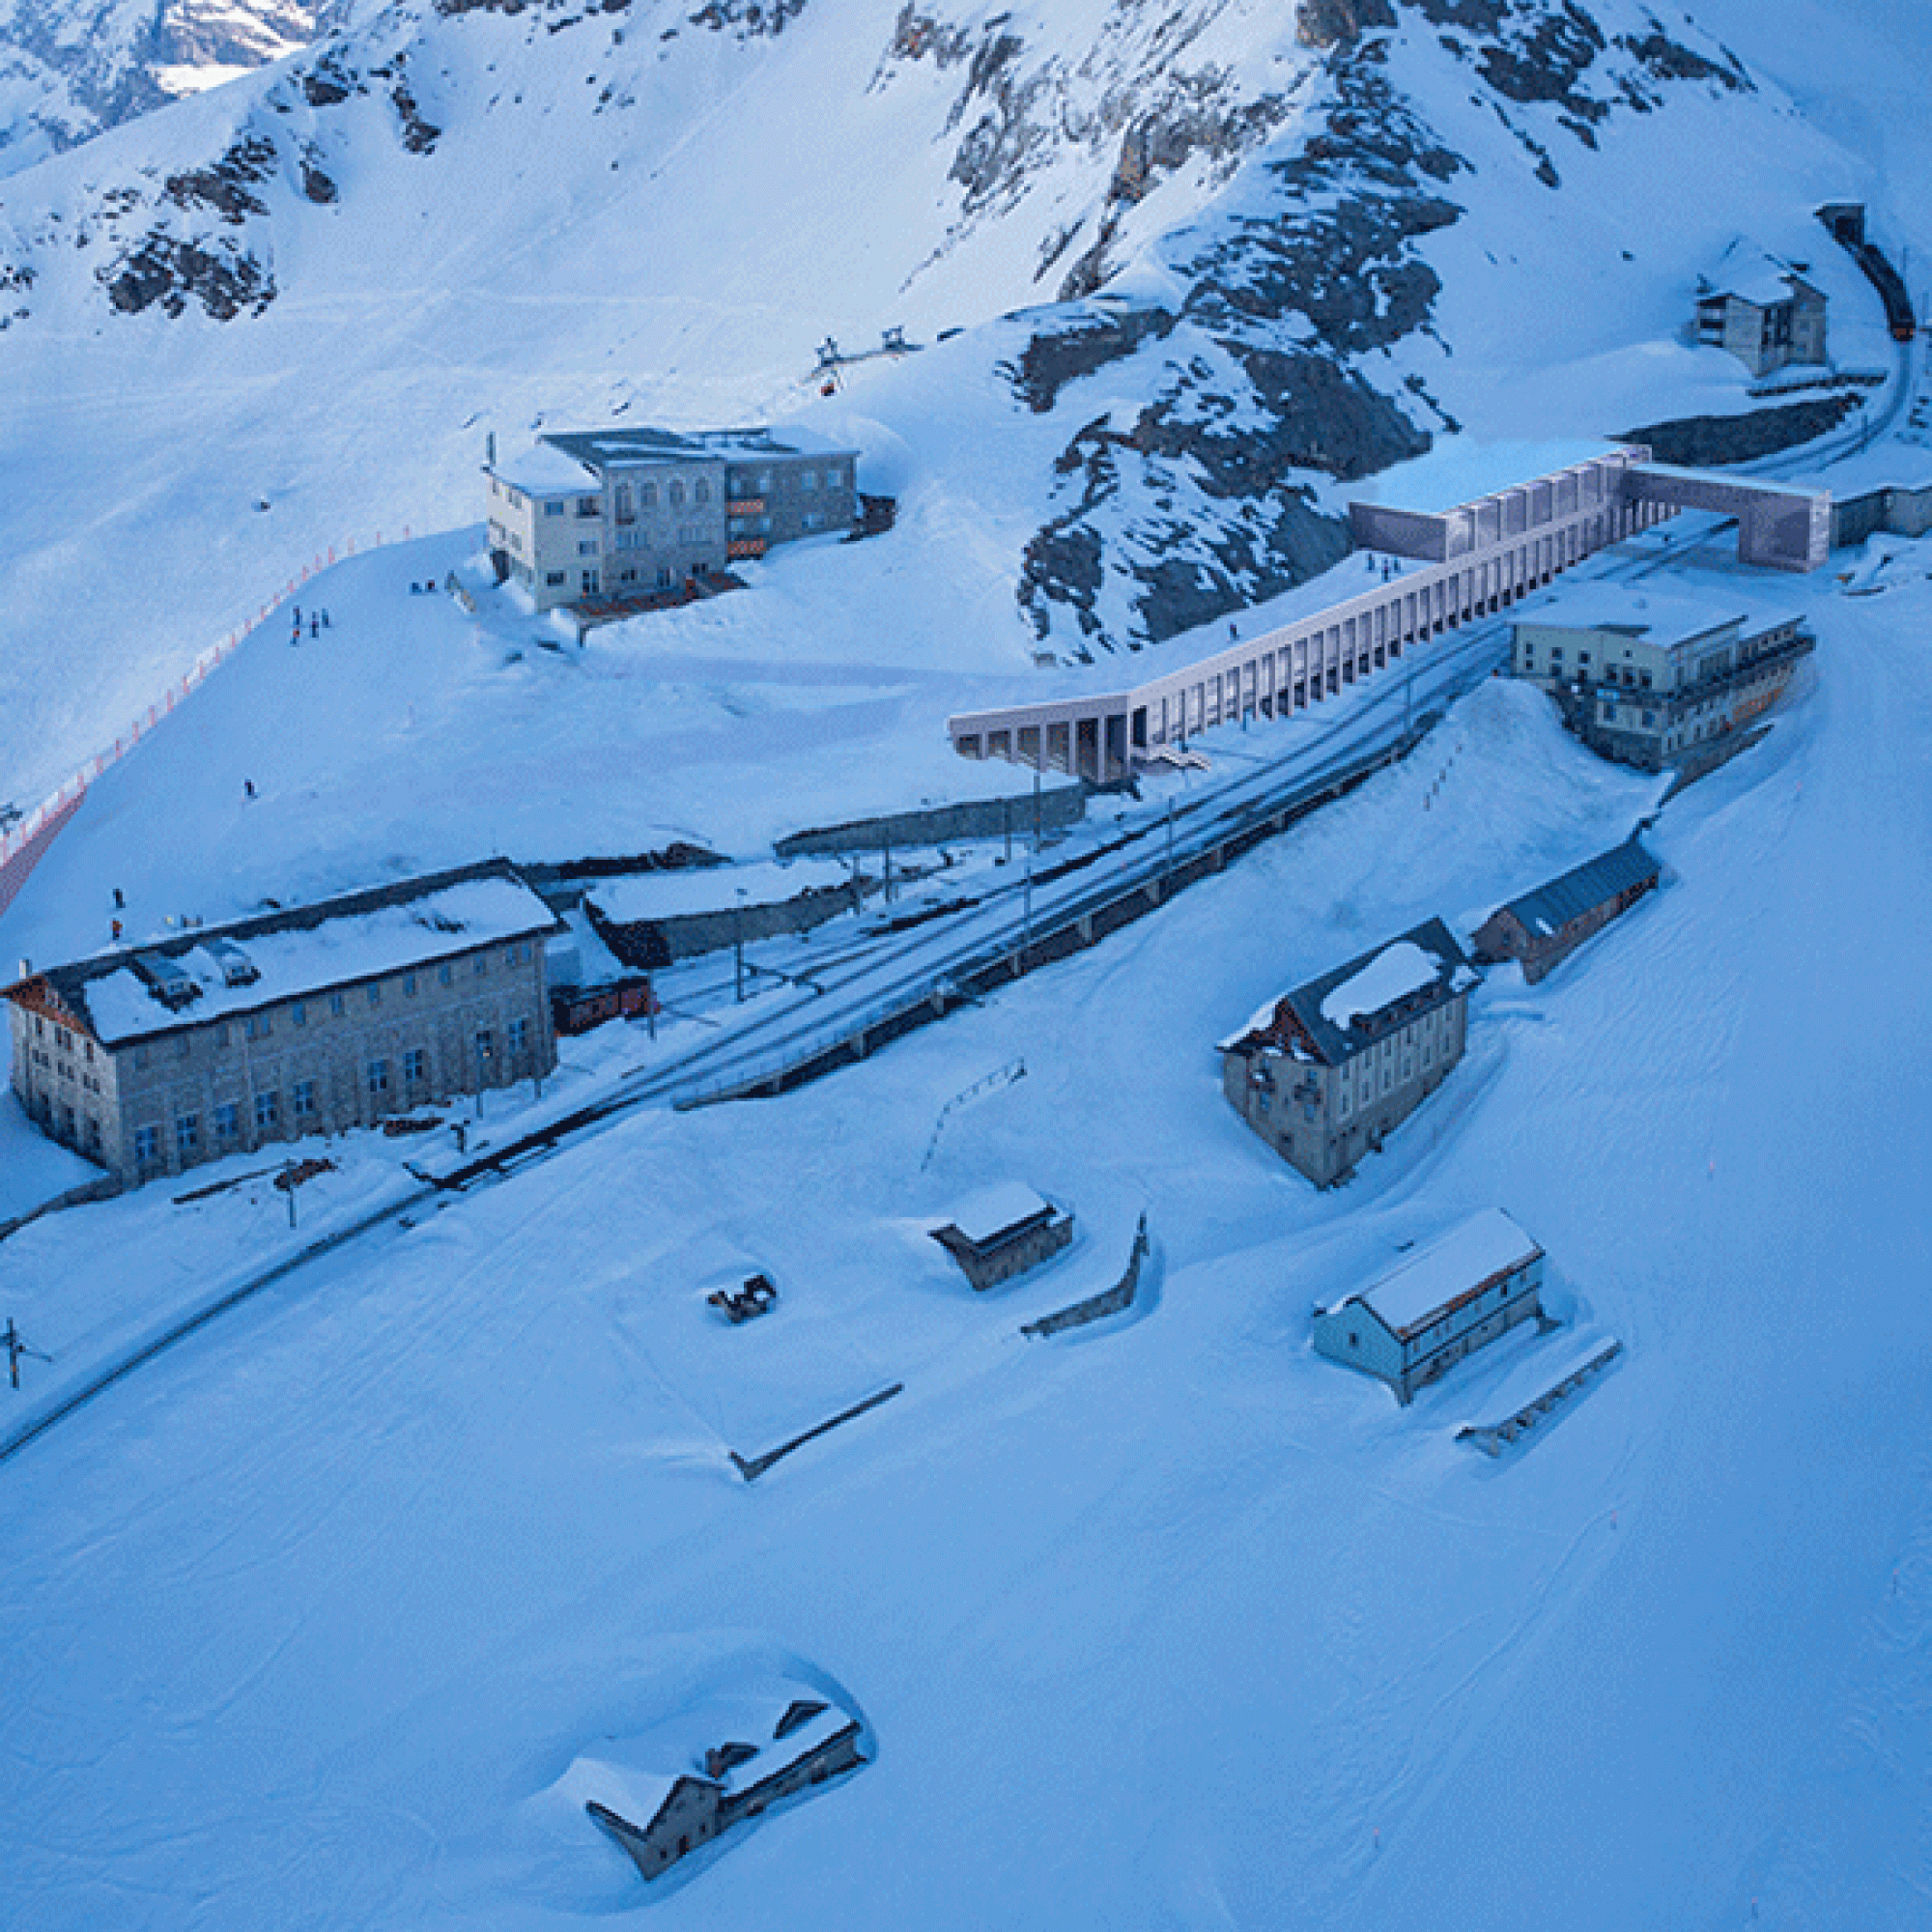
[(1026, 930), (16, 1347), (738, 941), (1035, 807), (1167, 877)]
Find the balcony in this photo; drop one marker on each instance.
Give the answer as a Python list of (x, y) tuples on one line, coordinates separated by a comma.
[(746, 547), (745, 506)]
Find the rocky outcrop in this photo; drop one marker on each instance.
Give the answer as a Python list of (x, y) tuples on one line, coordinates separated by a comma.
[(1711, 441), (162, 269)]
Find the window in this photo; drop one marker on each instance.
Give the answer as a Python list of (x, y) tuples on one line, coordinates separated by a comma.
[(227, 1121), (701, 491), (586, 546), (812, 480), (663, 577), (140, 1057), (589, 583), (304, 1100), (675, 494), (485, 1046), (182, 1047), (413, 1066), (260, 1026), (376, 995), (589, 506), (626, 503), (188, 1132), (443, 974), (647, 495), (335, 1004), (554, 578), (553, 509), (510, 954), (93, 1134), (520, 1035), (379, 1077), (147, 1145), (298, 1013), (409, 985), (482, 964)]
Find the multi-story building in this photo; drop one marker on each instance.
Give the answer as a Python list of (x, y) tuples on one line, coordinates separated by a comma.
[(1325, 1073), (1767, 320), (1649, 679), (616, 513), (1440, 1304), (151, 1059)]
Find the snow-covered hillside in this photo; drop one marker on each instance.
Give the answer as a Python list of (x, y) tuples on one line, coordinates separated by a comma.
[(68, 70), (320, 288)]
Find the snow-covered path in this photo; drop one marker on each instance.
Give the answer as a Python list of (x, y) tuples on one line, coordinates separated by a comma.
[(1170, 1625)]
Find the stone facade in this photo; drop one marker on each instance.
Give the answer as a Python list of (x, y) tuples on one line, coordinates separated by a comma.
[(612, 514), (1766, 326), (1006, 1244), (1649, 680), (1321, 1088), (451, 1000)]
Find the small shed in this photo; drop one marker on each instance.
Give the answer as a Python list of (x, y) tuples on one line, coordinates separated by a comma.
[(1002, 1232), (1441, 1303), (1543, 928)]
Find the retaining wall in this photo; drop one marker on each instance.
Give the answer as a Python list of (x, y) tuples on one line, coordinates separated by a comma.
[(1109, 1301), (1056, 808)]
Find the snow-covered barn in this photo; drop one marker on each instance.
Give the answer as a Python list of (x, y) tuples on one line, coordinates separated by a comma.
[(1444, 1301)]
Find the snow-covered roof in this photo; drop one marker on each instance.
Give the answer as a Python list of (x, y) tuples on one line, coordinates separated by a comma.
[(1459, 470), (629, 448), (1350, 1007), (989, 1212), (640, 896), (545, 470), (633, 1775), (1394, 973), (1456, 1264), (299, 953), (1662, 619)]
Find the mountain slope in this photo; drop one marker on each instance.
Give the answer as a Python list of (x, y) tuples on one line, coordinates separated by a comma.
[(1261, 257)]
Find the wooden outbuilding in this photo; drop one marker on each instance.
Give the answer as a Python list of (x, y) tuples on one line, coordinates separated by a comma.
[(1543, 928), (1002, 1232)]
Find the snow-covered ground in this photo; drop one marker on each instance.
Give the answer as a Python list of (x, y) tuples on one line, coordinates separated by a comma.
[(1175, 1624)]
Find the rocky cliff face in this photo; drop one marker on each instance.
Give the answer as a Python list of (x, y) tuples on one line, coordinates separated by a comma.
[(67, 72), (1224, 214)]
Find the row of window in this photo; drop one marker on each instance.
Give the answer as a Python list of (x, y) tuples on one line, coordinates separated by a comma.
[(227, 1114)]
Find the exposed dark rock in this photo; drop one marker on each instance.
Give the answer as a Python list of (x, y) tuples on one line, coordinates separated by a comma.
[(1666, 60), (747, 18), (168, 270), (419, 136), (1711, 441), (316, 184), (226, 186), (1329, 23), (329, 81), (1087, 342)]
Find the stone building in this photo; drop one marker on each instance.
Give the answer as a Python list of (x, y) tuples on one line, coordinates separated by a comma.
[(1324, 1075), (1441, 1304), (1649, 679), (659, 1817), (1768, 318), (1543, 928), (619, 513), (313, 1020), (1002, 1232)]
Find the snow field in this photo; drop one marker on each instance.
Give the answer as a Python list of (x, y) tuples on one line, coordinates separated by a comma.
[(1166, 1624)]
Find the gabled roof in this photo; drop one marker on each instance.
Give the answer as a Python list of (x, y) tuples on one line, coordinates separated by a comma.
[(136, 992), (1446, 1271), (1352, 1007), (1551, 906)]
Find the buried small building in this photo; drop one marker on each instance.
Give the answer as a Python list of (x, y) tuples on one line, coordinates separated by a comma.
[(1326, 1072), (659, 1818), (1443, 1302), (1002, 1232), (1543, 928)]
